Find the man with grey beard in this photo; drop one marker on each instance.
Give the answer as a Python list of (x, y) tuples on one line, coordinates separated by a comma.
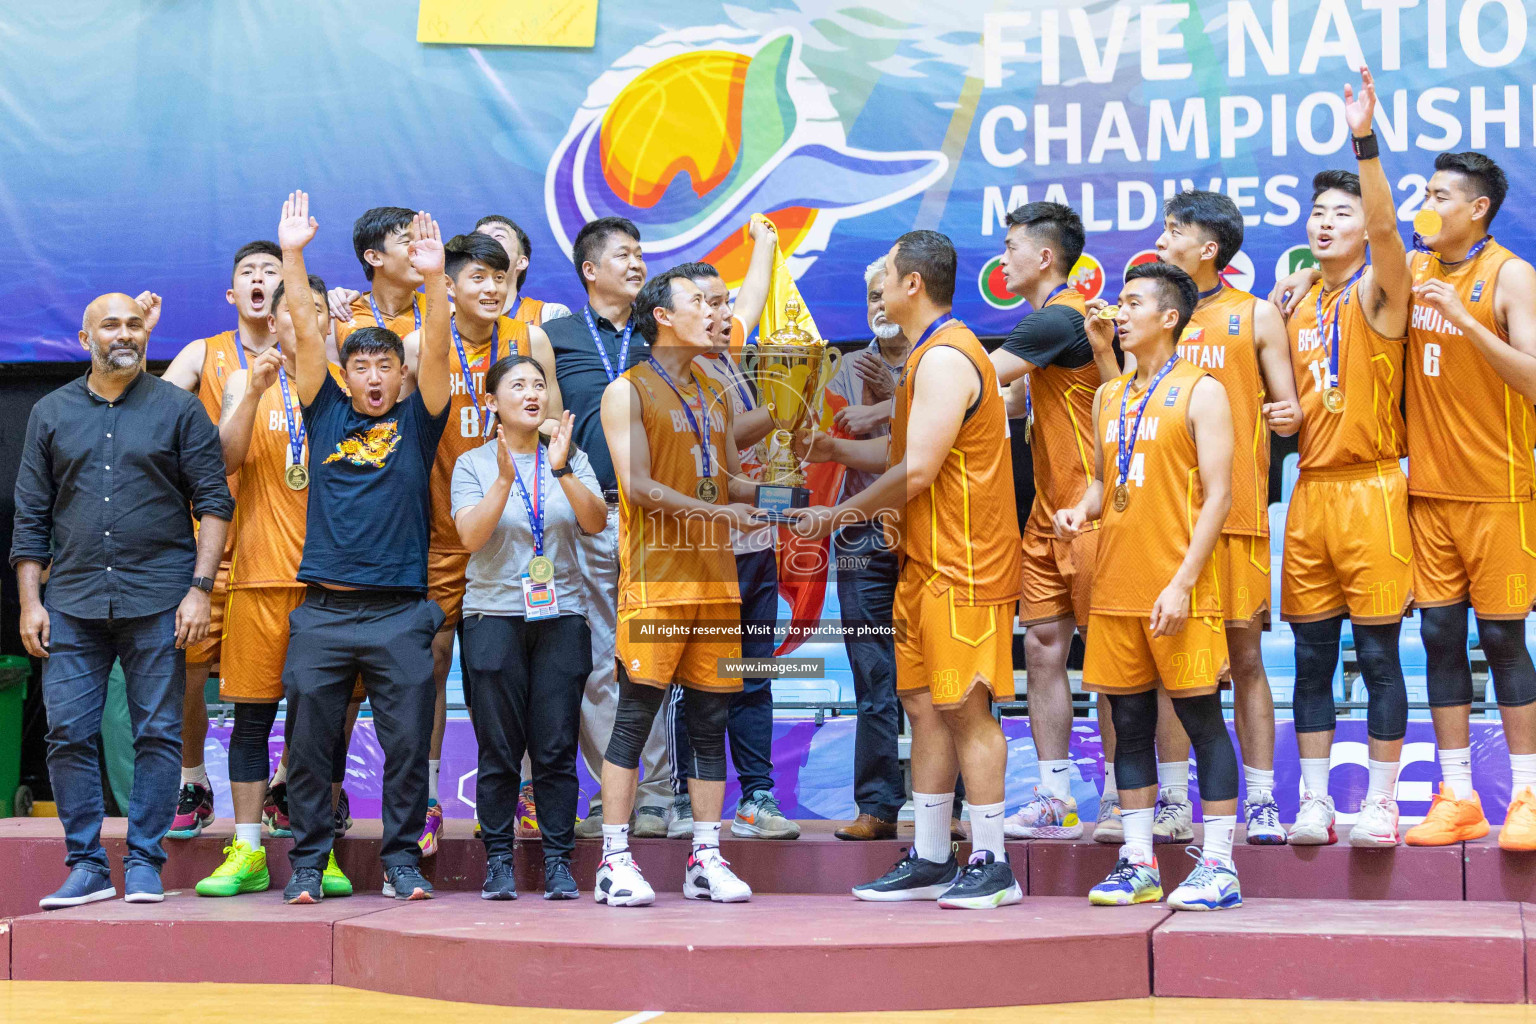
[(115, 466)]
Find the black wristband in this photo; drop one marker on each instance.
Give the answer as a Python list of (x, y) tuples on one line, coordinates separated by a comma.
[(564, 470), (1366, 148)]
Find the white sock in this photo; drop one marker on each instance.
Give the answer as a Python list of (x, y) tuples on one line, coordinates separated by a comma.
[(1522, 771), (987, 831), (280, 776), (1137, 845), (930, 812), (432, 769), (250, 835), (1218, 838), (615, 839), (1257, 778), (1314, 775), (706, 834), (1173, 775), (1111, 794), (1383, 781), (1456, 771), (195, 776), (1055, 780)]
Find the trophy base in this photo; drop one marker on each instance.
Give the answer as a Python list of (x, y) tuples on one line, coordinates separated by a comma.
[(777, 499)]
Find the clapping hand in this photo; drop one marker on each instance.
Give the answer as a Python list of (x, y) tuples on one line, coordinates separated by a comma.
[(560, 444)]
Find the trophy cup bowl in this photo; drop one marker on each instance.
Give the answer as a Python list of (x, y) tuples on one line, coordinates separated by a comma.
[(791, 370)]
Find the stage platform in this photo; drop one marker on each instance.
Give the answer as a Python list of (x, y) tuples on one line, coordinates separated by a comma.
[(1320, 923)]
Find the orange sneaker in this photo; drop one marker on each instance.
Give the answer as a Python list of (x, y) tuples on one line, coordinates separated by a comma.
[(1450, 821), (1519, 831)]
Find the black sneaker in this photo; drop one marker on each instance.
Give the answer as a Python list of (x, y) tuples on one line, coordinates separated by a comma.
[(985, 883), (304, 887), (499, 883), (558, 883), (913, 878), (405, 882), (343, 814)]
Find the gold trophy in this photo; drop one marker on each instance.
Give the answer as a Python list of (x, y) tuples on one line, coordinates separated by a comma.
[(791, 369)]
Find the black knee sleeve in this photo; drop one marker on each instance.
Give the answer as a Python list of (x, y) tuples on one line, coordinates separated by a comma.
[(1386, 717), (1135, 718), (1317, 655), (707, 715), (1509, 660), (637, 709), (248, 760), (1215, 760), (1444, 631)]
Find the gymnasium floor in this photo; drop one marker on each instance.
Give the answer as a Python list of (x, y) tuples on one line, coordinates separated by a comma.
[(39, 1002)]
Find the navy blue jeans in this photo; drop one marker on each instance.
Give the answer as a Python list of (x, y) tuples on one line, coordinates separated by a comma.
[(750, 726), (866, 590), (81, 653)]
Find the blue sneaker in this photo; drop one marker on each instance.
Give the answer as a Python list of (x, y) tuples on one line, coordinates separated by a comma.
[(1211, 886), (85, 884), (1127, 884), (141, 884)]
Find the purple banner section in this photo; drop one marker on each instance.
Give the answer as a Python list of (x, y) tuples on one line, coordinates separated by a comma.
[(813, 769)]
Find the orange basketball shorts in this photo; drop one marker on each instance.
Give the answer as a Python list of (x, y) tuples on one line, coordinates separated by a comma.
[(681, 644), (948, 648), (1474, 550), (1347, 547), (1123, 656)]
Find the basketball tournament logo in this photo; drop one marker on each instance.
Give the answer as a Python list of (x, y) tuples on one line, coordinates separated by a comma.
[(1087, 277), (994, 287), (690, 133), (1297, 257)]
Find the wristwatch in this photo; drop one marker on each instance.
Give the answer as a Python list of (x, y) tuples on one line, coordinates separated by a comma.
[(203, 583), (564, 470)]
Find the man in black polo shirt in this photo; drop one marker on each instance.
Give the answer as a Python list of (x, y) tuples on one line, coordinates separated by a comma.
[(592, 347), (365, 561), (111, 465)]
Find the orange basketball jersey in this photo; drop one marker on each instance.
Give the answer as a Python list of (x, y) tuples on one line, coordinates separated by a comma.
[(466, 421), (962, 531), (1219, 340), (222, 356), (362, 316), (1469, 434), (270, 516), (1370, 426), (1061, 442), (529, 311), (666, 558), (1142, 547)]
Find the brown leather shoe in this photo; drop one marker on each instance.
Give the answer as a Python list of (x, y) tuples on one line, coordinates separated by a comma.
[(867, 827)]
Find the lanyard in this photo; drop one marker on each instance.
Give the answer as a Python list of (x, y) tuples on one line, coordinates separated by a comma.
[(469, 377), (597, 342), (1333, 334), (1420, 245), (535, 507), (378, 318), (738, 381), (1125, 451), (239, 347), (295, 428), (940, 322), (702, 435)]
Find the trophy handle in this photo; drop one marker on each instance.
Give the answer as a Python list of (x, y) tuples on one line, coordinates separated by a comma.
[(829, 364)]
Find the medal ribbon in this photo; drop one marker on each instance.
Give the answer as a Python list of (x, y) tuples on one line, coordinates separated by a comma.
[(702, 435), (534, 507), (295, 428), (597, 342), (378, 318), (469, 377), (1420, 245), (1126, 450), (1332, 331)]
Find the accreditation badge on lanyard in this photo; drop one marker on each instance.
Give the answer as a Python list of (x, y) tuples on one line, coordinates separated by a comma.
[(539, 600)]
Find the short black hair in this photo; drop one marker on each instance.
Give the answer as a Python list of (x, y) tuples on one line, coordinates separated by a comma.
[(593, 234), (656, 292), (1058, 223), (932, 256), (254, 248), (1214, 213), (1176, 290), (462, 250), (315, 285), (697, 269), (371, 340), (1344, 181), (505, 365), (377, 224), (524, 243), (1485, 177)]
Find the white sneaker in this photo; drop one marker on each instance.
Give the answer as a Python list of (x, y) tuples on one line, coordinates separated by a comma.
[(711, 878), (1262, 815), (1377, 824), (1211, 886), (620, 883), (1314, 822), (1175, 821)]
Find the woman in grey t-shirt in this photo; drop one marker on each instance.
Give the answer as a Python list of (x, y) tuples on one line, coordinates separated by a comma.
[(520, 504)]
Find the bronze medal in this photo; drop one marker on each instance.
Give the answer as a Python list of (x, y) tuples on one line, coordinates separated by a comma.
[(541, 569), (707, 490), (1333, 400), (297, 477), (1122, 497)]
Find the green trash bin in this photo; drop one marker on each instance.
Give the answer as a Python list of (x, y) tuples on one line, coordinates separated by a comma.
[(14, 671)]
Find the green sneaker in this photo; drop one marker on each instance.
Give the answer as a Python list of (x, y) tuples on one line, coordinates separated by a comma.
[(333, 882), (243, 870)]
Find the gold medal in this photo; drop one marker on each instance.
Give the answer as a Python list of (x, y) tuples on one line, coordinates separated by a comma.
[(1333, 400), (707, 490), (1122, 497), (541, 569), (1029, 429), (1427, 224), (1108, 313), (297, 477)]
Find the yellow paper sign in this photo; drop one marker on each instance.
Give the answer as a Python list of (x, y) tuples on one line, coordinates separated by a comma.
[(508, 22)]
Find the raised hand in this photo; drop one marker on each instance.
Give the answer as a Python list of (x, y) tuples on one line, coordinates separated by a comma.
[(1359, 109), (264, 369), (761, 227), (505, 467), (149, 302), (296, 227), (560, 444), (426, 245)]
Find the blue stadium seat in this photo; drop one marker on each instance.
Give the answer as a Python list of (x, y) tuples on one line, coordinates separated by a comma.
[(1290, 469)]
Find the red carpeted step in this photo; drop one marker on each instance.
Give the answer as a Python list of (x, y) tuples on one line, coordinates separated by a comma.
[(1493, 874), (5, 950), (1345, 949)]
